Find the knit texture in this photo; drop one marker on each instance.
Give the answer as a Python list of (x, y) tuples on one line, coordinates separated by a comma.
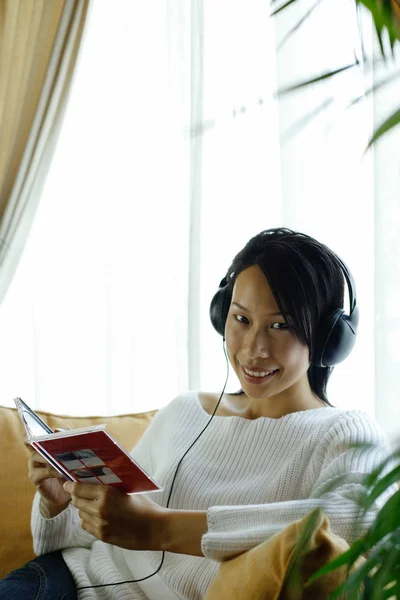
[(253, 477)]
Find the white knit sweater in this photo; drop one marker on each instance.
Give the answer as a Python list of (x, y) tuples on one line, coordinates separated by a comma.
[(253, 477)]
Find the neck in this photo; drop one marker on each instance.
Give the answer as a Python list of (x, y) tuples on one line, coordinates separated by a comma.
[(277, 406)]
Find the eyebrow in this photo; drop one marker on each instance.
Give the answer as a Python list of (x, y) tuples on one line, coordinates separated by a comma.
[(274, 314)]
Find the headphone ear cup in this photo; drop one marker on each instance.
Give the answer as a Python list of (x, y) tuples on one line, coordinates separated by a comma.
[(219, 308), (335, 338)]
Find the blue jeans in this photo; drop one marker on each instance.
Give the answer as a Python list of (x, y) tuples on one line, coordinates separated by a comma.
[(47, 577)]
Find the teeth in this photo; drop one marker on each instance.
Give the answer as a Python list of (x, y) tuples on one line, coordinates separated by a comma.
[(257, 373)]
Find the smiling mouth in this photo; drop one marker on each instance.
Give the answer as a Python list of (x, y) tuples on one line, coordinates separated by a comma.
[(258, 376)]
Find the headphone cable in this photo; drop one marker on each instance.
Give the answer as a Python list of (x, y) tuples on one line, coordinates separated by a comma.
[(170, 493)]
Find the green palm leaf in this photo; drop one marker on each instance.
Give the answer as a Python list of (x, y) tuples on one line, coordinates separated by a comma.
[(379, 576), (298, 24), (389, 124), (381, 486), (302, 84), (384, 18), (278, 10), (387, 520)]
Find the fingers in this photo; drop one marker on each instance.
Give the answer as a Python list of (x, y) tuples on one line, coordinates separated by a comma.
[(40, 469), (92, 525), (40, 474), (91, 519), (86, 506), (88, 491), (37, 459), (44, 470)]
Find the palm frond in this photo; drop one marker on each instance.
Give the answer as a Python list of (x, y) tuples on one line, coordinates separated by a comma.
[(384, 16), (304, 120), (386, 22), (386, 126), (375, 88), (379, 575), (302, 84), (278, 10), (298, 24)]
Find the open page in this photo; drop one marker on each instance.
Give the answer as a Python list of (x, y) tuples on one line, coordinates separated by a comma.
[(95, 457), (88, 455)]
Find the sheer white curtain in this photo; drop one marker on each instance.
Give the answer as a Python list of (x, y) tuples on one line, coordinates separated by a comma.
[(95, 320), (173, 153)]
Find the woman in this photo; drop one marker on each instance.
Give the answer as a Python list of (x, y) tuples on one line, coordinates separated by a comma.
[(259, 463)]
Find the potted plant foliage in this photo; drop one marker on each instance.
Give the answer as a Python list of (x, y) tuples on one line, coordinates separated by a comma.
[(378, 577), (386, 18)]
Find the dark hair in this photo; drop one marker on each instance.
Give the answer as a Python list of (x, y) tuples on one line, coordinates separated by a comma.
[(306, 280)]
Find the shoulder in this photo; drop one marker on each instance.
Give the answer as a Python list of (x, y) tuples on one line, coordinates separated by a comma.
[(180, 409), (179, 405), (209, 400), (353, 427), (181, 414), (359, 423)]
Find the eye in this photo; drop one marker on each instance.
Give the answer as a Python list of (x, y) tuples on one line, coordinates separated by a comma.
[(280, 326), (242, 319)]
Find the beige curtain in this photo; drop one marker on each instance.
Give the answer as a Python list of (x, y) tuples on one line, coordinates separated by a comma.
[(39, 43)]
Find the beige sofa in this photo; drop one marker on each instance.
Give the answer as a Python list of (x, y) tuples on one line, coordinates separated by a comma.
[(258, 574)]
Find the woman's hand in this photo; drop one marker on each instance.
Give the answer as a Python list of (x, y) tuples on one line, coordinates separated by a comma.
[(130, 521), (48, 482)]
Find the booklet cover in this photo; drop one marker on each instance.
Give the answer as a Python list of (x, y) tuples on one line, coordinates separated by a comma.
[(88, 455)]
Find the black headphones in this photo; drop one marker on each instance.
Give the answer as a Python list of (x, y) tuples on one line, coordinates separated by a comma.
[(336, 334)]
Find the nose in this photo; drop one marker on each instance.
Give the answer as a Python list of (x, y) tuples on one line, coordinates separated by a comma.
[(257, 344)]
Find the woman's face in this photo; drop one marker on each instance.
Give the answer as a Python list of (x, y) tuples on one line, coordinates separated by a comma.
[(264, 352)]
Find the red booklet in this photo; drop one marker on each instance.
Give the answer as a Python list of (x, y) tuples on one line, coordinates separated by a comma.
[(88, 455)]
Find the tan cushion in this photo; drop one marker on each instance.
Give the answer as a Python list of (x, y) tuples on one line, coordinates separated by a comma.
[(259, 573), (16, 489)]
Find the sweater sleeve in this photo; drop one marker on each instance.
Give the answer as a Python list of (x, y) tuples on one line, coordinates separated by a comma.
[(57, 533), (233, 530)]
